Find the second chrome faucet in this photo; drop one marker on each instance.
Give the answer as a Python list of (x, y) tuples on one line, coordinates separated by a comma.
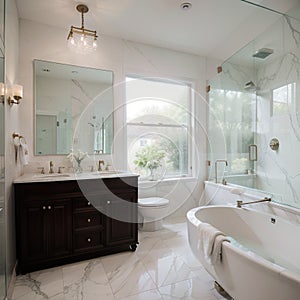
[(101, 164), (51, 167)]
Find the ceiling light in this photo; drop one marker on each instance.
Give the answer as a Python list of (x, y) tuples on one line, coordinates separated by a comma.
[(80, 39), (186, 6)]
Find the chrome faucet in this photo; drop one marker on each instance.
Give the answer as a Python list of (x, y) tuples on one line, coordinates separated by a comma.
[(51, 167), (216, 167), (101, 162), (240, 203)]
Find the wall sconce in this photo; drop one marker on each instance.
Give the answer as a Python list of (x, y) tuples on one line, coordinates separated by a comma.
[(14, 94)]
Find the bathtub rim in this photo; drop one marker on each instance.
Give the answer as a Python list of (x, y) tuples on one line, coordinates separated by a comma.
[(249, 255), (253, 194)]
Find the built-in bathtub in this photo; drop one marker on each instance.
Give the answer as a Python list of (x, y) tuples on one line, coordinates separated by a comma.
[(261, 262)]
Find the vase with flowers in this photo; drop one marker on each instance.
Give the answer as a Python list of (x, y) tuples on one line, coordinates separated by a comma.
[(76, 158), (151, 158)]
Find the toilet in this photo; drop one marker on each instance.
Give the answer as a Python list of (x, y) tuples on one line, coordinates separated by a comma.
[(152, 210)]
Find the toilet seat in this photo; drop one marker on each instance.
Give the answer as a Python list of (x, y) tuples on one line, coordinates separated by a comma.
[(152, 202)]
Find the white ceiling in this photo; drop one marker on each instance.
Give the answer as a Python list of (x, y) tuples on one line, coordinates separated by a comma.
[(213, 28)]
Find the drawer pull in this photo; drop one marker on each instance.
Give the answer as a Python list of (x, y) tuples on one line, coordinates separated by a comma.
[(89, 203), (49, 207), (89, 220), (44, 207), (89, 240)]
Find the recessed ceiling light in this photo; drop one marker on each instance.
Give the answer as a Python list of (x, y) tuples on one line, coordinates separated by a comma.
[(186, 6)]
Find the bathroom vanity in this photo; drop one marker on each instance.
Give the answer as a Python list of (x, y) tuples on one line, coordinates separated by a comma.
[(62, 221)]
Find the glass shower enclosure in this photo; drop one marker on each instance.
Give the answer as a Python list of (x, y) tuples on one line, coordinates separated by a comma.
[(254, 119)]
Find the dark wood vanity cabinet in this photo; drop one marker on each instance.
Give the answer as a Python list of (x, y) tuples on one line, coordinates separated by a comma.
[(57, 222), (48, 224)]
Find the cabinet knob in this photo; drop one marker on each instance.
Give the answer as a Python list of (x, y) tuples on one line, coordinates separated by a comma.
[(108, 202), (89, 220), (49, 207), (44, 207), (89, 203), (89, 240)]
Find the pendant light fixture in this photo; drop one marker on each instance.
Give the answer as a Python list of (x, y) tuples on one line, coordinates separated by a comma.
[(80, 39)]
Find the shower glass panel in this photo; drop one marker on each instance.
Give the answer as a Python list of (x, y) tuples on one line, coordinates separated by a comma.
[(232, 123), (255, 99)]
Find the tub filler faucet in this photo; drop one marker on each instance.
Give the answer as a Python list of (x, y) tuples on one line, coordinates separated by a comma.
[(240, 203), (216, 167)]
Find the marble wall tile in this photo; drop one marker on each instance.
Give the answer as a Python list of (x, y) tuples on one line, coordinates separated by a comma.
[(278, 171)]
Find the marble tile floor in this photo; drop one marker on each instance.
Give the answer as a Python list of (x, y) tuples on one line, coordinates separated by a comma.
[(162, 268)]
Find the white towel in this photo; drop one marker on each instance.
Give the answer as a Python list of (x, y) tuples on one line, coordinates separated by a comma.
[(24, 153), (217, 251), (16, 141), (210, 242), (17, 147)]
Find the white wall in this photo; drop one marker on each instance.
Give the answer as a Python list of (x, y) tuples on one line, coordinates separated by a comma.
[(12, 170), (43, 42)]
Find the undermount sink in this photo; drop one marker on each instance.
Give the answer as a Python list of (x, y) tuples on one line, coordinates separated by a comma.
[(47, 176)]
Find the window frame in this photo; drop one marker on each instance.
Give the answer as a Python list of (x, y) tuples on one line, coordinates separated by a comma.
[(190, 126), (292, 104)]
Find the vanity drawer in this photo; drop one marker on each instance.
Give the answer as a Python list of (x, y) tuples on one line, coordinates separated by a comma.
[(82, 203), (87, 219), (88, 240)]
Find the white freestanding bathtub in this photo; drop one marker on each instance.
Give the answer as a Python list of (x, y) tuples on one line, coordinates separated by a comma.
[(261, 262)]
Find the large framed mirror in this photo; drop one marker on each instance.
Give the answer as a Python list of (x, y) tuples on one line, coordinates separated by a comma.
[(73, 109)]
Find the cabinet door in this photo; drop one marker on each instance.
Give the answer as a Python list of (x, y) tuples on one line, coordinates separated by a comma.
[(33, 231), (59, 227), (121, 226)]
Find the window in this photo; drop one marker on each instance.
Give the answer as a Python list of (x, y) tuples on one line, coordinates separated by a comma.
[(282, 98), (158, 114)]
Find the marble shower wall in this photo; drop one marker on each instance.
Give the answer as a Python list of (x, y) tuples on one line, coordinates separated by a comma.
[(278, 103)]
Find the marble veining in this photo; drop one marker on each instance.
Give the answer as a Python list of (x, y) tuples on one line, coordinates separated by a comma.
[(294, 32), (82, 89), (162, 267)]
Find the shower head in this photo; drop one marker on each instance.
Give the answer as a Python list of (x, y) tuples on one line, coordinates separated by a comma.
[(263, 53), (249, 86)]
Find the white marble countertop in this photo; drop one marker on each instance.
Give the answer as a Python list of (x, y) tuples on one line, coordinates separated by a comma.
[(33, 177)]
